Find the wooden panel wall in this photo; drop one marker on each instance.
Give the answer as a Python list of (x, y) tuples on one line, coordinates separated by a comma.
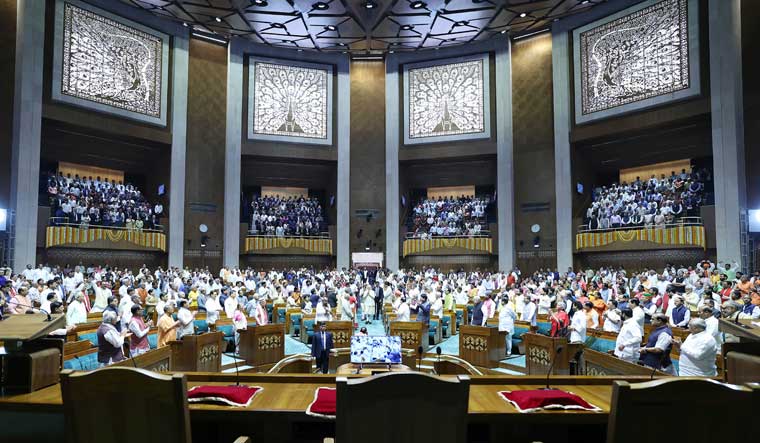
[(7, 74)]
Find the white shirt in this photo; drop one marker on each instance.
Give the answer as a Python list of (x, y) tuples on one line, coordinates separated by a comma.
[(698, 353), (713, 329), (529, 313), (187, 326), (212, 310), (638, 316), (686, 317), (629, 337), (612, 322), (76, 313), (578, 323), (322, 313), (507, 317), (113, 336), (229, 306), (402, 313)]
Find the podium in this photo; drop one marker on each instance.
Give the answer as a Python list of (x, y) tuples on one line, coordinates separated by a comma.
[(262, 345), (198, 353), (482, 346), (540, 350), (413, 334), (342, 330), (32, 360)]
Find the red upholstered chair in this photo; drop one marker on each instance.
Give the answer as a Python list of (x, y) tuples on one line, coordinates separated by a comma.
[(126, 405)]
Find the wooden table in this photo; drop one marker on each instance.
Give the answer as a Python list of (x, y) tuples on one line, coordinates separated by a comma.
[(277, 414), (745, 330), (370, 369)]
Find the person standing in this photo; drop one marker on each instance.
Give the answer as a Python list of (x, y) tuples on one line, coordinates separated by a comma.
[(656, 353), (402, 312), (507, 317), (167, 326), (629, 338), (321, 346), (578, 324), (262, 318), (560, 321), (110, 340), (138, 343), (379, 296), (423, 310), (698, 351), (185, 317)]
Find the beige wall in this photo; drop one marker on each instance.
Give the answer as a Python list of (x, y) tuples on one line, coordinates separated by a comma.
[(629, 175)]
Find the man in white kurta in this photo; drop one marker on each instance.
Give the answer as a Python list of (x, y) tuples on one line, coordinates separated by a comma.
[(76, 312), (507, 317), (698, 352), (629, 338), (578, 327)]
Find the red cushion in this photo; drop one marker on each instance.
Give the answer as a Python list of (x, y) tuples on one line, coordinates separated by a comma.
[(323, 404), (231, 395), (537, 399)]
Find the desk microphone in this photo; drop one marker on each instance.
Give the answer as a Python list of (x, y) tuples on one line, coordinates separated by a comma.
[(654, 371), (237, 373), (419, 358), (557, 351), (438, 351)]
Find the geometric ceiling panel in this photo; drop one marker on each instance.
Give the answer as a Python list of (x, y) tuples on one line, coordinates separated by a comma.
[(364, 26)]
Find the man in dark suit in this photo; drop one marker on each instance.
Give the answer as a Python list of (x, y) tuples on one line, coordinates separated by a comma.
[(314, 299), (378, 301), (423, 310), (320, 347)]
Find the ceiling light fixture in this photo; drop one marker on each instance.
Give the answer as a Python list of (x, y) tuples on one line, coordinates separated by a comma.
[(522, 14), (320, 6), (218, 20), (584, 2), (503, 31), (277, 25), (341, 44), (407, 27), (260, 2), (184, 24), (417, 5), (330, 28), (462, 23), (369, 4)]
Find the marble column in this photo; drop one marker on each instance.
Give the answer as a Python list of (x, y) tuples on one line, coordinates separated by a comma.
[(728, 130), (179, 147), (343, 200), (562, 156), (27, 127), (505, 192), (232, 153), (392, 198)]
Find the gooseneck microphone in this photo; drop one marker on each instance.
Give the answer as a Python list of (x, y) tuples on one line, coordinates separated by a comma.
[(557, 351), (419, 357), (237, 373), (438, 351)]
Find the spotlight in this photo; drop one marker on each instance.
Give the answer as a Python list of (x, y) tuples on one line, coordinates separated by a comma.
[(341, 44), (184, 24), (369, 4), (522, 14), (320, 6), (330, 28), (277, 25), (218, 20), (391, 52), (407, 27), (584, 2), (503, 31), (417, 5), (462, 23), (260, 2)]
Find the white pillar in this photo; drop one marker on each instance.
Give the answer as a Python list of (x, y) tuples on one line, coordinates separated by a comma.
[(392, 199), (505, 192), (343, 144), (232, 153), (27, 127), (563, 176), (179, 147), (728, 129)]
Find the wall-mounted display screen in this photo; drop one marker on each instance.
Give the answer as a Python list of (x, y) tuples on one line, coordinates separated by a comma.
[(375, 349)]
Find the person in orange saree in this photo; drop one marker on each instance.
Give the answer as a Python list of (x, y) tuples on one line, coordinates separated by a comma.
[(599, 306), (559, 320)]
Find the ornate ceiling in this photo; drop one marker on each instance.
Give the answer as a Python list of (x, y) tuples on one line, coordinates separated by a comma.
[(365, 26)]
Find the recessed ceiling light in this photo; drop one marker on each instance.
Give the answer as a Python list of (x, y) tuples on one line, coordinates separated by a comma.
[(341, 44), (417, 5), (584, 2), (503, 31), (184, 24), (330, 28), (391, 52), (522, 14), (556, 20), (300, 50), (260, 2), (277, 25), (320, 6), (219, 20), (369, 4), (462, 23), (407, 27)]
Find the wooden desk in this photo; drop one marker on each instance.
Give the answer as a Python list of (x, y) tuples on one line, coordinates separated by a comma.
[(482, 346), (342, 330), (263, 345), (745, 330), (541, 350), (277, 413), (198, 352)]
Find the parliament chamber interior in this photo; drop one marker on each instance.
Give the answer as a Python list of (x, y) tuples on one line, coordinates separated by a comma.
[(362, 221)]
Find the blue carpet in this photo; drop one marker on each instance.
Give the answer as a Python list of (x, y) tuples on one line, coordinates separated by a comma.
[(228, 360), (294, 346), (516, 360), (449, 346), (507, 371)]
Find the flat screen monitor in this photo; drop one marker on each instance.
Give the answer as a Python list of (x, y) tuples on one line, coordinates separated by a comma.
[(754, 220), (375, 349)]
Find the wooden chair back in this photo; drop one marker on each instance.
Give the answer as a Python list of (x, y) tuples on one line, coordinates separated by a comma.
[(379, 409), (125, 404), (700, 410)]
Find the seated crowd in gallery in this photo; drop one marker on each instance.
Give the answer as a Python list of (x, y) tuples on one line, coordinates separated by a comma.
[(88, 201), (614, 300), (291, 216), (450, 216), (653, 202)]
